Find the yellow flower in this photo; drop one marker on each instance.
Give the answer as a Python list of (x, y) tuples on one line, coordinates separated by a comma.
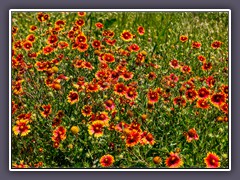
[(75, 129)]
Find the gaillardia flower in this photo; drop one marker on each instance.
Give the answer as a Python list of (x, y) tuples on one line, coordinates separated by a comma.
[(96, 128), (47, 110), (141, 30), (87, 110), (153, 96), (218, 99), (212, 160), (192, 135), (126, 36), (203, 93), (173, 161), (73, 97), (22, 128), (216, 44), (183, 38), (107, 160)]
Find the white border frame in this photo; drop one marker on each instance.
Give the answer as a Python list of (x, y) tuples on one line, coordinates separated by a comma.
[(118, 10)]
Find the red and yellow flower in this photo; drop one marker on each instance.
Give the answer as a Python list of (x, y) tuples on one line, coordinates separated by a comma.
[(126, 35), (212, 160), (173, 161), (73, 97), (96, 128), (22, 127), (47, 110), (107, 160)]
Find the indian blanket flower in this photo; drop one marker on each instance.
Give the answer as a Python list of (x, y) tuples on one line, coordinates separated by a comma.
[(120, 89), (81, 39), (212, 160), (203, 93), (47, 110), (201, 58), (47, 50), (52, 39), (196, 45), (147, 138), (191, 135), (173, 161), (126, 35), (174, 64), (107, 160), (180, 101), (134, 47), (183, 38), (82, 47), (153, 96), (191, 94), (59, 134), (21, 164), (73, 97), (96, 44), (82, 14), (27, 45), (21, 128), (109, 105), (103, 116), (87, 110), (210, 81), (218, 99), (206, 66), (80, 22), (108, 57), (96, 128), (216, 44), (99, 25), (131, 93), (203, 104), (31, 38), (133, 138), (224, 108), (186, 69), (141, 30)]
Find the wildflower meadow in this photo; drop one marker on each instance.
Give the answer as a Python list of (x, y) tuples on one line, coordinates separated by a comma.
[(119, 90)]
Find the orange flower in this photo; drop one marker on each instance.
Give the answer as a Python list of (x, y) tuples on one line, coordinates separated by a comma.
[(218, 99), (196, 45), (203, 104), (107, 160), (216, 44), (126, 36), (31, 38), (183, 38), (96, 129), (201, 58), (81, 39), (96, 44), (59, 134), (120, 89), (153, 96), (87, 110), (27, 45), (21, 127), (203, 93), (73, 97), (212, 160), (191, 94), (192, 135), (80, 22), (99, 25), (82, 14), (47, 110), (109, 105), (131, 93), (206, 66), (82, 47), (108, 57), (133, 139), (52, 39), (141, 30), (174, 64), (173, 161), (103, 117), (47, 50)]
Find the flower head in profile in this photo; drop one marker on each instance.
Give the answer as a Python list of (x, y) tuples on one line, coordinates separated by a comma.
[(173, 161), (212, 160), (191, 135), (107, 160)]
